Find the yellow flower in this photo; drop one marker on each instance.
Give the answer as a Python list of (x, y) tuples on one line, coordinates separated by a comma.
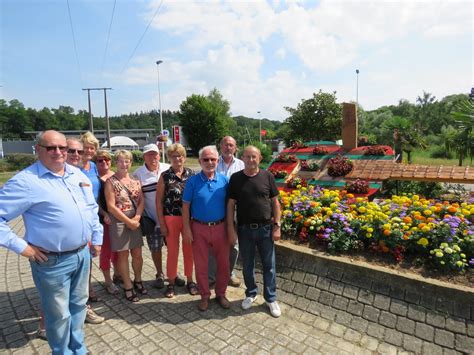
[(427, 212), (423, 242), (426, 229), (439, 254)]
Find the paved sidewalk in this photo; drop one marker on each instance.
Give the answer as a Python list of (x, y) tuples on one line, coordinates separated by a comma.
[(159, 325)]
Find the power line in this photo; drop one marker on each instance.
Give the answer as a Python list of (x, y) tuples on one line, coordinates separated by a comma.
[(143, 35), (74, 41), (108, 38)]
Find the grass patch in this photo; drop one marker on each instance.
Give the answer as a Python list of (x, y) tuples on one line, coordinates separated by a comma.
[(423, 157)]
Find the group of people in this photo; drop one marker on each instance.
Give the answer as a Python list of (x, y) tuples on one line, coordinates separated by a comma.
[(75, 207)]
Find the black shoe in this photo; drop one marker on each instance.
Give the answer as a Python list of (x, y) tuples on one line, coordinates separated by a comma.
[(178, 281), (159, 281)]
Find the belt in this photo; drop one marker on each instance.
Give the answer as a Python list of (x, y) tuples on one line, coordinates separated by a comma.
[(59, 253), (255, 225), (210, 224)]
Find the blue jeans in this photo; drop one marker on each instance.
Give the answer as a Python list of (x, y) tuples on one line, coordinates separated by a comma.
[(63, 285), (260, 238)]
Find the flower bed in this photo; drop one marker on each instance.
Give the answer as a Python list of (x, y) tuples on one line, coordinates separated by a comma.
[(286, 158), (309, 165), (375, 150), (439, 234), (278, 174), (339, 166)]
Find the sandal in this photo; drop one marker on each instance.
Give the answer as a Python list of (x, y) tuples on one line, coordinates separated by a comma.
[(138, 285), (117, 279), (111, 289), (94, 299), (192, 288), (133, 297), (169, 291)]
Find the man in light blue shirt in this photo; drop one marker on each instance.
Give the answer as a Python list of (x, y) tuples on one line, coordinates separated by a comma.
[(227, 165), (60, 216)]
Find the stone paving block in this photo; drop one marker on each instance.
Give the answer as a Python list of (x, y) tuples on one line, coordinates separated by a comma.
[(382, 302), (425, 332), (435, 318), (323, 283), (417, 313), (340, 302), (399, 307), (397, 291), (405, 325), (445, 305), (387, 349), (371, 313), (336, 287), (353, 336), (359, 324), (288, 286), (464, 343), (321, 324), (470, 328), (412, 343), (455, 324), (313, 293), (355, 308), (343, 318), (314, 308), (350, 291), (388, 319), (298, 276), (412, 296), (310, 279), (444, 338), (432, 349), (328, 313), (302, 303), (337, 330), (394, 337), (369, 343), (300, 289), (366, 296), (381, 287), (335, 273), (326, 298), (376, 330)]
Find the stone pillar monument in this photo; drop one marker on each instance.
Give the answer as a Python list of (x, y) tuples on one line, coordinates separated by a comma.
[(349, 126)]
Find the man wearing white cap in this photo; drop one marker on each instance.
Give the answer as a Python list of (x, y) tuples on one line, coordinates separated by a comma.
[(148, 174)]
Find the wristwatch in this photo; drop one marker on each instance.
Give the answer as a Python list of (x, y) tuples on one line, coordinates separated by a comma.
[(277, 224)]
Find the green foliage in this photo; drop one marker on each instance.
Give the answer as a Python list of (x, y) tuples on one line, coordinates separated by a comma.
[(137, 156), (440, 153), (462, 141), (266, 151), (19, 161), (317, 118), (426, 189), (202, 121)]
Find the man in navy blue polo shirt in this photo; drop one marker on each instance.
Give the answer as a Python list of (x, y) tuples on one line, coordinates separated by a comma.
[(204, 208)]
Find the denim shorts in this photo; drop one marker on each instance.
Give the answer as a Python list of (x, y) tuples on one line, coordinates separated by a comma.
[(156, 240)]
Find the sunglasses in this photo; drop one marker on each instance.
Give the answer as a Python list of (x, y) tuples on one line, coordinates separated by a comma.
[(72, 151), (52, 148), (207, 160), (102, 160)]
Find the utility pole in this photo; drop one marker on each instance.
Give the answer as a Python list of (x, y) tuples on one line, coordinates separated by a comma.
[(91, 123)]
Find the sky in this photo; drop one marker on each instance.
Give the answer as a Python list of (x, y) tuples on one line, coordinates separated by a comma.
[(262, 56)]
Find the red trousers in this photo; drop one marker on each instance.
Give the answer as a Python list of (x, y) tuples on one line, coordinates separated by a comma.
[(175, 227), (213, 238), (106, 254)]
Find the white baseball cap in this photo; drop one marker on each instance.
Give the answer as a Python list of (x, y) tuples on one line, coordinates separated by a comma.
[(150, 148)]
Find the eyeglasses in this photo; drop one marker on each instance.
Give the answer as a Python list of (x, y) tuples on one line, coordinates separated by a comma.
[(207, 160), (52, 148), (72, 151), (102, 160)]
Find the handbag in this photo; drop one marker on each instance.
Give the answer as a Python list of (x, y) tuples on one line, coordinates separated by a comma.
[(147, 225)]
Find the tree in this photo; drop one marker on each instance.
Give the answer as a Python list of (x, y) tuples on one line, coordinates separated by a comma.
[(318, 118), (462, 142), (202, 121), (407, 137)]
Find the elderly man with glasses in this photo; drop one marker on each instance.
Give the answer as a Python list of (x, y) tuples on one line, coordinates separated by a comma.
[(204, 207), (60, 216)]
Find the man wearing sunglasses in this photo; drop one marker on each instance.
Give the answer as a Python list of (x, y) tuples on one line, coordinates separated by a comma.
[(204, 207), (60, 216)]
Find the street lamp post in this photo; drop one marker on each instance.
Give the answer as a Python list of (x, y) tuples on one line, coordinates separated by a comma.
[(357, 88), (260, 126), (158, 62)]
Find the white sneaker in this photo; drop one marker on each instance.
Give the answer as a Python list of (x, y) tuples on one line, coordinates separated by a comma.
[(275, 310), (92, 317), (247, 302)]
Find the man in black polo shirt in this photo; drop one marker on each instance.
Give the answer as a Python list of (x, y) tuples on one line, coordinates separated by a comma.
[(255, 194)]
